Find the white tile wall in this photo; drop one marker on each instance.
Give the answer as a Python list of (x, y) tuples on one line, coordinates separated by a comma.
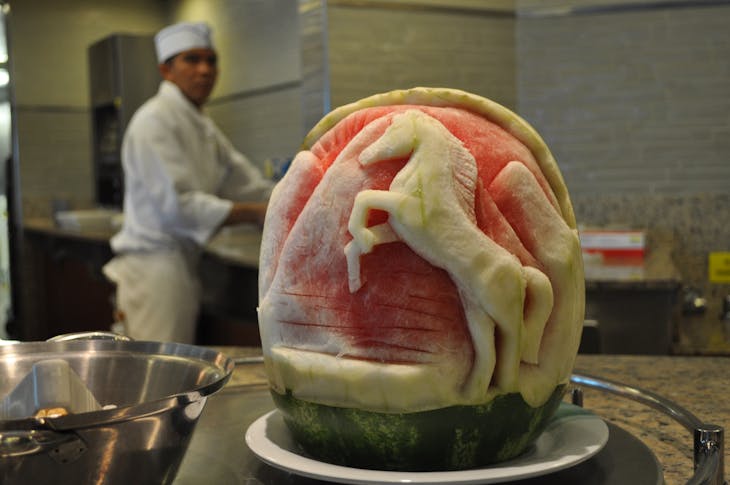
[(376, 48), (315, 68), (48, 51), (631, 101), (49, 40), (258, 43), (55, 154), (628, 101), (264, 125), (257, 101), (257, 40)]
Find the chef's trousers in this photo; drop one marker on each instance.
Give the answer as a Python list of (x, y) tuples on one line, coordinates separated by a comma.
[(157, 294)]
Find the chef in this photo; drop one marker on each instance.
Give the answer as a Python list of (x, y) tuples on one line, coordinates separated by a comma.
[(183, 181)]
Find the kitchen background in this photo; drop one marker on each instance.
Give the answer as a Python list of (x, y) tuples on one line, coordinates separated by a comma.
[(632, 96)]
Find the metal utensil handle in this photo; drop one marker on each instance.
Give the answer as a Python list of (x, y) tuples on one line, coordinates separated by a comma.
[(258, 359), (709, 447), (62, 447), (93, 335)]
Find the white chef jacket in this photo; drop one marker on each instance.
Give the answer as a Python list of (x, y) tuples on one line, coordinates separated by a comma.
[(181, 176)]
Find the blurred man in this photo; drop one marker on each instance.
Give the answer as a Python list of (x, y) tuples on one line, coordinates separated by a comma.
[(183, 181)]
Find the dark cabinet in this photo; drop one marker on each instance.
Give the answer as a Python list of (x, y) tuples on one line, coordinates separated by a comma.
[(65, 290)]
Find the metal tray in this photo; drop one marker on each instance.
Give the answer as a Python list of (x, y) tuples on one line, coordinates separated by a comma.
[(218, 453), (709, 439)]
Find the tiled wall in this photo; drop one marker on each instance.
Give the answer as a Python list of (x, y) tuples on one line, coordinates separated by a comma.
[(631, 101), (634, 104), (257, 41), (51, 90), (264, 125), (256, 103), (632, 97), (315, 69), (378, 47), (54, 156)]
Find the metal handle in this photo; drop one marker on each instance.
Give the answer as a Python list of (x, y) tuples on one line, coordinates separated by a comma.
[(62, 447), (93, 335), (258, 359), (709, 448), (709, 455)]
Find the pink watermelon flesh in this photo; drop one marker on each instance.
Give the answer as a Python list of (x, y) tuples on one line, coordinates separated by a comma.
[(408, 311)]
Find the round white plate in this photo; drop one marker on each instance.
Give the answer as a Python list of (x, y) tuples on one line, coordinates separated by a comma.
[(573, 436)]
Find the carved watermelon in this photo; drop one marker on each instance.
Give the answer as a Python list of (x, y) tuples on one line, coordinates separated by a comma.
[(420, 277)]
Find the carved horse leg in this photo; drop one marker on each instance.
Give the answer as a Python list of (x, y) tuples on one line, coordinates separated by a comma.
[(365, 238)]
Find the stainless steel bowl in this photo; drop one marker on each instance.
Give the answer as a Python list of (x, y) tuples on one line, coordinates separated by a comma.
[(157, 391)]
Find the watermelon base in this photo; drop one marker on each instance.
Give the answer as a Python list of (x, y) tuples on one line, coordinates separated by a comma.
[(450, 438)]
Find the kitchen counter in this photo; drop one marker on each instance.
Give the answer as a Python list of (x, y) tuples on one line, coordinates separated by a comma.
[(695, 383), (621, 302), (56, 255), (239, 245), (236, 245)]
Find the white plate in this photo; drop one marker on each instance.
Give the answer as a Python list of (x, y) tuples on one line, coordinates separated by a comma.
[(573, 436)]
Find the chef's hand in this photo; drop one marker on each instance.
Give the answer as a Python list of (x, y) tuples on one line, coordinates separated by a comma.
[(246, 212)]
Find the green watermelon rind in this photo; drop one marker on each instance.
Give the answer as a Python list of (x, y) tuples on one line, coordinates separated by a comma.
[(451, 438)]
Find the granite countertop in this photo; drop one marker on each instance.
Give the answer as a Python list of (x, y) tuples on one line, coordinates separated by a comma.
[(698, 384), (695, 383)]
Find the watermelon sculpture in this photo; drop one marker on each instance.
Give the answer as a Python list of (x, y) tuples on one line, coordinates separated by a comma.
[(421, 287)]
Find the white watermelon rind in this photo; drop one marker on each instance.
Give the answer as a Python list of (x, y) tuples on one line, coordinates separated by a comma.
[(333, 380), (494, 112)]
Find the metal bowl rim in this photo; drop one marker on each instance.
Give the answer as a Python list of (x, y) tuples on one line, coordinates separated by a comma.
[(211, 357)]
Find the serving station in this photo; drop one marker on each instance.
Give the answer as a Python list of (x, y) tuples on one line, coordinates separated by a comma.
[(641, 438), (645, 445)]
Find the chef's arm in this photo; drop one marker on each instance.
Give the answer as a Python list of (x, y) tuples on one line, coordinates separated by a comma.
[(246, 212)]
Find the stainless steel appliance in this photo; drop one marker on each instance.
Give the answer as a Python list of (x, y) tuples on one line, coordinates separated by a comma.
[(122, 75)]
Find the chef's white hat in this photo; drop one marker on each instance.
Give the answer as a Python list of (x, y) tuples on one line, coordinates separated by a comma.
[(181, 37)]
